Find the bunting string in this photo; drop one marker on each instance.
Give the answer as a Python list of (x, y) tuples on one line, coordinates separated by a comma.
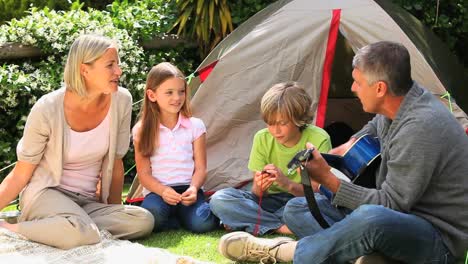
[(447, 96)]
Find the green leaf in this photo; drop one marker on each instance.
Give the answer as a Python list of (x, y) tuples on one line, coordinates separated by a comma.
[(199, 6), (211, 12)]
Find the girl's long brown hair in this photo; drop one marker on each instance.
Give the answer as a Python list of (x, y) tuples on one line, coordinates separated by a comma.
[(150, 112)]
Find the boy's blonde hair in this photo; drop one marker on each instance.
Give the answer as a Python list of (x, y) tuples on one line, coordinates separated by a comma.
[(290, 100), (84, 50)]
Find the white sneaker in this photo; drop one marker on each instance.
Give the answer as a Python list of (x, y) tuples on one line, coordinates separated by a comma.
[(242, 246)]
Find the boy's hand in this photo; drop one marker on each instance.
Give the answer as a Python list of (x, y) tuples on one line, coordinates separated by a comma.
[(170, 196), (189, 197), (278, 175), (263, 180)]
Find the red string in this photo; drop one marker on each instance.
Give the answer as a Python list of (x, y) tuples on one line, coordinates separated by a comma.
[(259, 211)]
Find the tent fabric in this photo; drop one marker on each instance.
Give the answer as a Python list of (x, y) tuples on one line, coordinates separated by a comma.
[(290, 41)]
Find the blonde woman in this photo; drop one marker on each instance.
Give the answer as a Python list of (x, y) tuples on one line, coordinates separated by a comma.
[(70, 169)]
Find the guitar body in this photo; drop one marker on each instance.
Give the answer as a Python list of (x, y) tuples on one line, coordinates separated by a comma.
[(360, 162)]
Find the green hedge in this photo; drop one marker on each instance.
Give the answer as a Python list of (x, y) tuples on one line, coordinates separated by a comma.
[(448, 19), (10, 9), (22, 82)]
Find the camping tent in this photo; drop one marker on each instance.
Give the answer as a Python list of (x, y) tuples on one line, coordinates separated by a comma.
[(312, 42), (297, 40)]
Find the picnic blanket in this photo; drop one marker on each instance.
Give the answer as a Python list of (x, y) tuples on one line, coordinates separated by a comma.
[(15, 248)]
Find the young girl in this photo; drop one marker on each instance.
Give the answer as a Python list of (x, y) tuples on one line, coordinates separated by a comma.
[(170, 154)]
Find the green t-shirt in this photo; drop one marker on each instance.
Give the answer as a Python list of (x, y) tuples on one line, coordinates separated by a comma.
[(266, 150)]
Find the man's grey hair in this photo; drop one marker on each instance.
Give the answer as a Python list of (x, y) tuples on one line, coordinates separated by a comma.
[(388, 62)]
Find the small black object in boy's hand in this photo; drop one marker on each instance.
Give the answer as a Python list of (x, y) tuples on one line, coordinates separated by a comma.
[(301, 156), (266, 172)]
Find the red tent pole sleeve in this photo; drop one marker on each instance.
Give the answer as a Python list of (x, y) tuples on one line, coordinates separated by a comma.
[(327, 67), (205, 72)]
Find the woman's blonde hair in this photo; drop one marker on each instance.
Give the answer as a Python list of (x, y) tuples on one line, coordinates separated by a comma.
[(85, 49), (150, 112), (290, 100)]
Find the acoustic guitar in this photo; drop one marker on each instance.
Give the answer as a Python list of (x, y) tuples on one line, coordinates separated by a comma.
[(358, 164)]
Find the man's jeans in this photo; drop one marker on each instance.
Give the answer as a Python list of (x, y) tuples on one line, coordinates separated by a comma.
[(238, 209), (369, 228), (196, 217)]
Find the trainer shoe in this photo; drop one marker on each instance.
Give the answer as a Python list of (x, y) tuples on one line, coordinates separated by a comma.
[(242, 246)]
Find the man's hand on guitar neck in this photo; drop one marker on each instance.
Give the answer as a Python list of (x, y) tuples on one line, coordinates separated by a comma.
[(341, 149), (319, 171)]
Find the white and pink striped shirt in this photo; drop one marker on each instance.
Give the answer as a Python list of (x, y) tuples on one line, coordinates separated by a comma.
[(172, 162)]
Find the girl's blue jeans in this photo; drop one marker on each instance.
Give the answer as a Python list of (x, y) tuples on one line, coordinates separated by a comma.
[(196, 217), (354, 233)]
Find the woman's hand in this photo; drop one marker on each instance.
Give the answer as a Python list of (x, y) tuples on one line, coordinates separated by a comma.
[(189, 197), (15, 181), (170, 196)]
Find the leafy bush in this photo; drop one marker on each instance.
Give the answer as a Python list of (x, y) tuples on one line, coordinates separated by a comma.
[(243, 9), (22, 82), (10, 9), (448, 20)]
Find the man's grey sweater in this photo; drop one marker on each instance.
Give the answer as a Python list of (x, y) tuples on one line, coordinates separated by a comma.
[(424, 168)]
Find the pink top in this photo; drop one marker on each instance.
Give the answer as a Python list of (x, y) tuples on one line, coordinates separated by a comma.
[(83, 161), (172, 162)]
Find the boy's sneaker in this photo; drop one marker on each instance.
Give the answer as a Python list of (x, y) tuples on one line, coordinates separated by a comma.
[(242, 246)]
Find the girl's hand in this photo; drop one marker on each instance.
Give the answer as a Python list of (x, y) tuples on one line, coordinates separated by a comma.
[(189, 197), (170, 196)]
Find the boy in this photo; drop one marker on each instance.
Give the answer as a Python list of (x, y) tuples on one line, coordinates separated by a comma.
[(286, 109)]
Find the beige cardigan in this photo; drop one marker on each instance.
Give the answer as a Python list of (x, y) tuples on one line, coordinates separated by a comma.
[(45, 141)]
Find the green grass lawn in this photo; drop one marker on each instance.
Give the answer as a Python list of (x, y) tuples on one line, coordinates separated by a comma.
[(9, 208), (199, 246), (202, 247)]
